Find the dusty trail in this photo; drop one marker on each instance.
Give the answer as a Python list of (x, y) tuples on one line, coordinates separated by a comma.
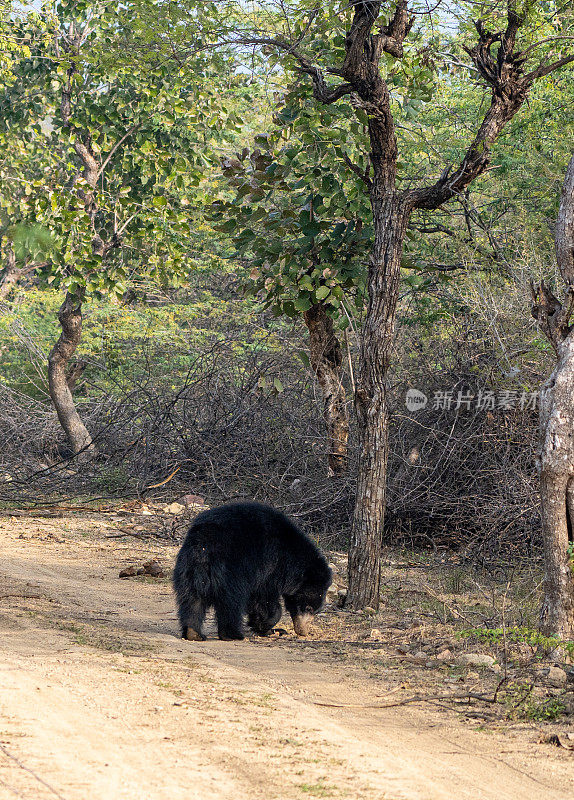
[(163, 718)]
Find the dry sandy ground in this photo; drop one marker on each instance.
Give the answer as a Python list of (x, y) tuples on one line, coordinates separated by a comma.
[(99, 699)]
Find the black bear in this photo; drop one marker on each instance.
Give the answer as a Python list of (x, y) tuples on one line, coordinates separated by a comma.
[(242, 558)]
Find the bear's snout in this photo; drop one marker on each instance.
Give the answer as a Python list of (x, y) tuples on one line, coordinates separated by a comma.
[(302, 623)]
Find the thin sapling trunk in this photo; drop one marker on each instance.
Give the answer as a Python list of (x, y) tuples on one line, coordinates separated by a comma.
[(326, 361)]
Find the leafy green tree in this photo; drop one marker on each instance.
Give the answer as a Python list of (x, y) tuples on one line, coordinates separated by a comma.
[(302, 224), (12, 46), (351, 53), (22, 159), (124, 152)]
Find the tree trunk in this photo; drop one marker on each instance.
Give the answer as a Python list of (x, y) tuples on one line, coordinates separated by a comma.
[(11, 273), (556, 451), (390, 217), (326, 361), (70, 317), (556, 465)]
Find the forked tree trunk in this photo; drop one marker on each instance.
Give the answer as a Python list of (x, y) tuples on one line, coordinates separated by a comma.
[(327, 361), (391, 211), (503, 69), (390, 217), (70, 317), (556, 451)]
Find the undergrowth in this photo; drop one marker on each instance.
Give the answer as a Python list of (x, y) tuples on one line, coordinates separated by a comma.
[(515, 635), (521, 704)]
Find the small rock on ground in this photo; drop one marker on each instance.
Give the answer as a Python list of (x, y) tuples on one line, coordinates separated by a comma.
[(476, 659), (152, 568), (174, 508), (444, 655), (553, 676)]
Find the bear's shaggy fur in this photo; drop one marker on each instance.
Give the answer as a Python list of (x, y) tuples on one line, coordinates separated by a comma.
[(242, 558)]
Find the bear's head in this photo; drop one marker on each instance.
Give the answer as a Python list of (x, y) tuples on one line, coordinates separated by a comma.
[(308, 598)]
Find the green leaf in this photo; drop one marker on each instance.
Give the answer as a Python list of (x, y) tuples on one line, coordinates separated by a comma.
[(303, 303)]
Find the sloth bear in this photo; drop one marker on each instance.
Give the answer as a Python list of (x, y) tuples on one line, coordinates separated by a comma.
[(242, 558)]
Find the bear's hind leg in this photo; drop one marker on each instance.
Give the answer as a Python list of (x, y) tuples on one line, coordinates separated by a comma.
[(229, 613), (191, 616)]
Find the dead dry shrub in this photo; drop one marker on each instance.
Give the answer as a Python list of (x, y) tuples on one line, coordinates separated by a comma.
[(244, 421)]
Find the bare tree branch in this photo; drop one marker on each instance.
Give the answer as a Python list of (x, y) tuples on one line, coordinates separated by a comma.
[(504, 73), (541, 71), (357, 170)]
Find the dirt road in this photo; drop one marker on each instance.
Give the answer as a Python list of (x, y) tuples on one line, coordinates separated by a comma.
[(99, 699)]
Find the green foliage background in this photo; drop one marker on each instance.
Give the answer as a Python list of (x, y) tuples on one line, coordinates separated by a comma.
[(219, 161)]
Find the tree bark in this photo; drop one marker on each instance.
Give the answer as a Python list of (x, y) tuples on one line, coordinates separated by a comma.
[(556, 465), (390, 217), (11, 273), (70, 317), (556, 445), (327, 361)]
